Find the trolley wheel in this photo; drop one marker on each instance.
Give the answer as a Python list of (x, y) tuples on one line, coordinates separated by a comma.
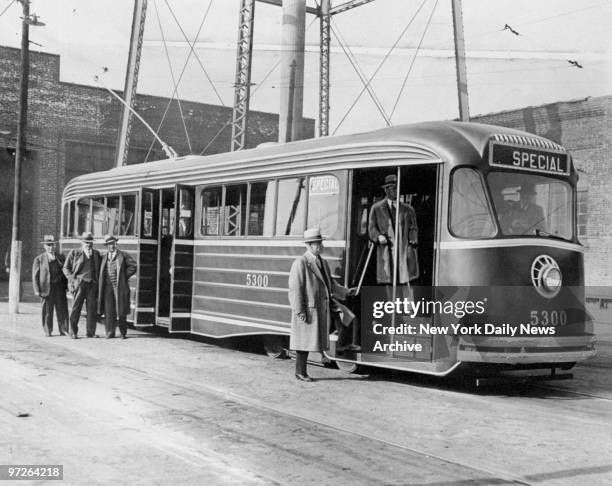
[(346, 367), (275, 346)]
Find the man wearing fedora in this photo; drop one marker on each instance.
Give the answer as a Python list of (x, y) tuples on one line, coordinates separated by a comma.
[(312, 294), (381, 228), (82, 268), (50, 285), (114, 290)]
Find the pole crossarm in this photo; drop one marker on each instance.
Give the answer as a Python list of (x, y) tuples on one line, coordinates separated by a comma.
[(242, 83), (279, 3), (348, 6)]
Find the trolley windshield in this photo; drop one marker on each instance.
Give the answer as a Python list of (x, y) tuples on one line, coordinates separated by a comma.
[(521, 205), (532, 205)]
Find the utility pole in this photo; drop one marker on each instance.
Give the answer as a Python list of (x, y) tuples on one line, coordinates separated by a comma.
[(15, 271), (242, 83), (462, 89), (292, 71), (131, 80), (325, 25)]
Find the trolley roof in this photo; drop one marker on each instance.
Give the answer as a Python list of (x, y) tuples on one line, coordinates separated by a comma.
[(453, 142)]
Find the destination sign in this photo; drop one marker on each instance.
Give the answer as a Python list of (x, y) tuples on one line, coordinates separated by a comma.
[(528, 158)]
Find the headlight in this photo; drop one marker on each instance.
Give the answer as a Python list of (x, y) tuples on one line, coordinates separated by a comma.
[(546, 276)]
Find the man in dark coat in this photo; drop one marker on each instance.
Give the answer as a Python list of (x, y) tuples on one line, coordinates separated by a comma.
[(381, 227), (114, 290), (50, 285), (311, 294), (82, 268)]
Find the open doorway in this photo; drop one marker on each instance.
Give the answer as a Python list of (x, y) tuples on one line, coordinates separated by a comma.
[(166, 225)]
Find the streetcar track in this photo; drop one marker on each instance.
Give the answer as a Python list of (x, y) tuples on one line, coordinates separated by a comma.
[(211, 390)]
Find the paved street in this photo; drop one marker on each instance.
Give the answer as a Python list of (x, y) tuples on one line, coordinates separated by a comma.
[(156, 409)]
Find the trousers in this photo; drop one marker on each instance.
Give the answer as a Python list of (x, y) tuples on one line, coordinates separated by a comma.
[(87, 292), (111, 319), (55, 300)]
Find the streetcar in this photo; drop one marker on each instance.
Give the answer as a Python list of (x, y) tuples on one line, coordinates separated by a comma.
[(215, 236)]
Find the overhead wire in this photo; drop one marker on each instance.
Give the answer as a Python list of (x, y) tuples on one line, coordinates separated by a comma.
[(194, 53), (418, 48), (178, 97), (250, 97), (7, 7), (380, 65), (174, 93), (353, 60)]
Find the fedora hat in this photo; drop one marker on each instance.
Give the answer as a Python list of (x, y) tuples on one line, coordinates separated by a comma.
[(110, 239), (48, 240), (87, 237), (390, 180), (313, 234)]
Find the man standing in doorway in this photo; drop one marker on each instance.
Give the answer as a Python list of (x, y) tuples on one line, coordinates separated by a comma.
[(114, 290), (381, 227), (82, 268), (50, 285)]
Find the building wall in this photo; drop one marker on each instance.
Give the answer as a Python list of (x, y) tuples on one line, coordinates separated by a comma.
[(73, 129), (584, 128)]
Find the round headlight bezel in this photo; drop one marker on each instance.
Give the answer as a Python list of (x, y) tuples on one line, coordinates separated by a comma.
[(546, 276)]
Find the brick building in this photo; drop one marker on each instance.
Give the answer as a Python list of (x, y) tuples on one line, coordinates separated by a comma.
[(72, 130)]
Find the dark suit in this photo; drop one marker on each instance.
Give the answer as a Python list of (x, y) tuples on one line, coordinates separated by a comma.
[(114, 300), (84, 286), (50, 283)]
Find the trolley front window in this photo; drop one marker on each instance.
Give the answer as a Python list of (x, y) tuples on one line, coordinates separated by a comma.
[(470, 213), (532, 205)]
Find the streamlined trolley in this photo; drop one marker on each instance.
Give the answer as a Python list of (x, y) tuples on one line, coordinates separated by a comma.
[(215, 236)]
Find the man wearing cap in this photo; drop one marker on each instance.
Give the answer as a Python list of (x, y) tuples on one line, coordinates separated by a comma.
[(50, 285), (381, 228), (82, 268), (527, 217), (312, 293), (113, 289)]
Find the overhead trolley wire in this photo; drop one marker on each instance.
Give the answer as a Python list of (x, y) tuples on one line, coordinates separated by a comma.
[(7, 7), (380, 65), (178, 97), (353, 60), (414, 59), (180, 77), (195, 55)]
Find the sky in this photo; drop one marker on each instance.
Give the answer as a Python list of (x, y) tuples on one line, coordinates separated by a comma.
[(505, 69)]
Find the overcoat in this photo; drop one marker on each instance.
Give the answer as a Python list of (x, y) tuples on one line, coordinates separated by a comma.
[(126, 267), (41, 278), (74, 265), (308, 293), (381, 223)]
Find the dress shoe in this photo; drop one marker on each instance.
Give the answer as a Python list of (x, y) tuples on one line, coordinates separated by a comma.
[(123, 336), (92, 335), (301, 377), (349, 347), (62, 333), (110, 336), (73, 336)]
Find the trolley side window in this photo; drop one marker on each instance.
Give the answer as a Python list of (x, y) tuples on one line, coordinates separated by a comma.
[(98, 216), (211, 206), (470, 213), (68, 222), (234, 210), (185, 227), (323, 203), (111, 224), (128, 213), (261, 208), (84, 215), (148, 205), (291, 207), (71, 225)]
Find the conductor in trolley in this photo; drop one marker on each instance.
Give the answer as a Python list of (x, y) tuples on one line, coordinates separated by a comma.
[(312, 295), (113, 289), (381, 228)]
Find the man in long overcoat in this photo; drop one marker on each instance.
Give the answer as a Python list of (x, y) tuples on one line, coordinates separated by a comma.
[(82, 268), (381, 228), (312, 293), (50, 285), (114, 290)]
